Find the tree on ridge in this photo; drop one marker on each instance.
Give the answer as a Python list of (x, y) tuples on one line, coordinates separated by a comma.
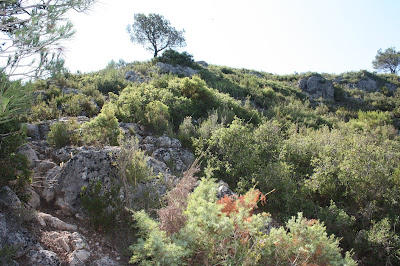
[(389, 60), (155, 33)]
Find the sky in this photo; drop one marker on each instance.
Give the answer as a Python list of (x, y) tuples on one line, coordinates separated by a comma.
[(275, 36)]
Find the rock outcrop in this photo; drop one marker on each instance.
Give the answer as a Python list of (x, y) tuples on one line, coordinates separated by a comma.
[(177, 70), (317, 87)]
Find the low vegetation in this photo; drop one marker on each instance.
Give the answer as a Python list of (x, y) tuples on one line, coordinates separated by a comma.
[(333, 165)]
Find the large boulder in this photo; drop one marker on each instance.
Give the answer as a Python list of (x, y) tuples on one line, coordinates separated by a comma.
[(367, 85), (134, 77), (317, 87), (81, 170), (12, 234)]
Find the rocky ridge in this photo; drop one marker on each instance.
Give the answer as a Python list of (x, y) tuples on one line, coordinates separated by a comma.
[(53, 228)]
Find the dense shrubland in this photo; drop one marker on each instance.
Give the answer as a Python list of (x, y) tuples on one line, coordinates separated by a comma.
[(334, 162)]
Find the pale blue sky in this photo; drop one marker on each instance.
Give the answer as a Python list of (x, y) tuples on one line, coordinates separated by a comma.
[(277, 36)]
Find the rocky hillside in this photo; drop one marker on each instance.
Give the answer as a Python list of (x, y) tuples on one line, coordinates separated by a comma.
[(100, 144)]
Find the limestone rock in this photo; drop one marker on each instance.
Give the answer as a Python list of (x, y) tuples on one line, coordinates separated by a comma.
[(43, 258), (78, 257), (9, 200), (202, 63), (223, 189), (54, 222), (68, 91), (317, 87), (29, 153), (79, 241), (104, 261), (177, 70), (367, 85), (32, 130), (87, 166), (13, 234), (34, 198)]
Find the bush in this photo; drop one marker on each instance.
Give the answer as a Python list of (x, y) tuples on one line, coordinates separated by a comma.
[(43, 111), (14, 167), (175, 58), (103, 129), (64, 133), (157, 115), (305, 242), (228, 233), (186, 131), (102, 205)]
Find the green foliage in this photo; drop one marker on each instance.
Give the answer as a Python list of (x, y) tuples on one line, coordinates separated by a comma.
[(155, 33), (213, 233), (132, 163), (7, 254), (304, 242), (388, 60), (43, 111), (175, 58), (32, 34), (80, 104), (157, 116), (15, 99), (64, 133), (14, 167), (383, 243), (101, 204), (186, 131), (103, 129)]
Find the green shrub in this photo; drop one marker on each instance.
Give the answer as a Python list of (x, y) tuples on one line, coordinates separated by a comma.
[(186, 131), (157, 116), (64, 133), (175, 58), (43, 111), (101, 204), (305, 242), (80, 104), (103, 129), (228, 233), (14, 167), (132, 164)]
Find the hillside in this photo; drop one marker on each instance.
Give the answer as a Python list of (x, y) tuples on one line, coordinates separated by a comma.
[(94, 145)]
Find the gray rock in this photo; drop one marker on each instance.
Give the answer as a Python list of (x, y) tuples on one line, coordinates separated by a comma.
[(44, 166), (78, 257), (70, 91), (29, 153), (54, 222), (82, 169), (32, 130), (318, 87), (34, 198), (104, 261), (39, 94), (177, 70), (391, 87), (367, 85), (78, 241), (202, 63), (302, 84), (223, 189), (44, 129), (43, 258), (14, 235), (10, 201)]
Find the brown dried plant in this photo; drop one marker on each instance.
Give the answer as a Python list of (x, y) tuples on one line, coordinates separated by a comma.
[(171, 217)]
